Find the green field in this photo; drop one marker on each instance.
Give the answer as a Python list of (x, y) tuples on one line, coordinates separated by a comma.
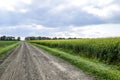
[(5, 47), (103, 49), (99, 57)]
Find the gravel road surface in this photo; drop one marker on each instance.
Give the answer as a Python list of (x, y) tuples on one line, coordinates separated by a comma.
[(28, 62)]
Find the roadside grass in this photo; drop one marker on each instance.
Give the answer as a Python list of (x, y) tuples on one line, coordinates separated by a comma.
[(5, 51), (97, 69)]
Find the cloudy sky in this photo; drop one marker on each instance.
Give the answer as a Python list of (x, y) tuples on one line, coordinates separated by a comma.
[(60, 18)]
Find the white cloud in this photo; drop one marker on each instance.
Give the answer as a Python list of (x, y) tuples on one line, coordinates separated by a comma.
[(40, 27), (7, 4), (104, 2), (67, 4), (26, 1), (61, 12), (23, 10), (58, 9), (13, 5), (91, 31), (103, 12), (105, 9)]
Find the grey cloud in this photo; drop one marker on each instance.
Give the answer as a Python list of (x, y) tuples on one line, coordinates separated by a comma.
[(39, 13)]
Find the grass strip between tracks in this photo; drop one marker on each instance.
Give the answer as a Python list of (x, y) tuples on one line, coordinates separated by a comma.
[(5, 51), (95, 68)]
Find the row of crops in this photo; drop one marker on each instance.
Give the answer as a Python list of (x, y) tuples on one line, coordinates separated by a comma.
[(103, 49)]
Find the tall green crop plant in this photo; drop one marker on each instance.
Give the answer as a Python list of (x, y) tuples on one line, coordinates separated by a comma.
[(103, 49)]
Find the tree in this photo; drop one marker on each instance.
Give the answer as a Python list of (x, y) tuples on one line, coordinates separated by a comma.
[(18, 38)]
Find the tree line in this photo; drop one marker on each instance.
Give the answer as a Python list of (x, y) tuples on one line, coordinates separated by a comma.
[(45, 38), (9, 38)]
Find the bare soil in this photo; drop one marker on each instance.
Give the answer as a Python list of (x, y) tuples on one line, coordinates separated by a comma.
[(28, 62)]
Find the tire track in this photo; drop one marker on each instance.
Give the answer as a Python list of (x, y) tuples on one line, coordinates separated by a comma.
[(30, 63)]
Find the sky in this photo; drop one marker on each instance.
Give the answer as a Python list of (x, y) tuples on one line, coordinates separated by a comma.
[(60, 18)]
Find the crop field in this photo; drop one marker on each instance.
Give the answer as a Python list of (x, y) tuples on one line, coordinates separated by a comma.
[(98, 56), (5, 46), (103, 49)]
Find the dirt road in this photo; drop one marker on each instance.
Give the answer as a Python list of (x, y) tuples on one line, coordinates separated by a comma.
[(28, 62)]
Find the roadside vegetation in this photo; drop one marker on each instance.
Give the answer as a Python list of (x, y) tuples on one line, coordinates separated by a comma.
[(5, 48), (100, 57)]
